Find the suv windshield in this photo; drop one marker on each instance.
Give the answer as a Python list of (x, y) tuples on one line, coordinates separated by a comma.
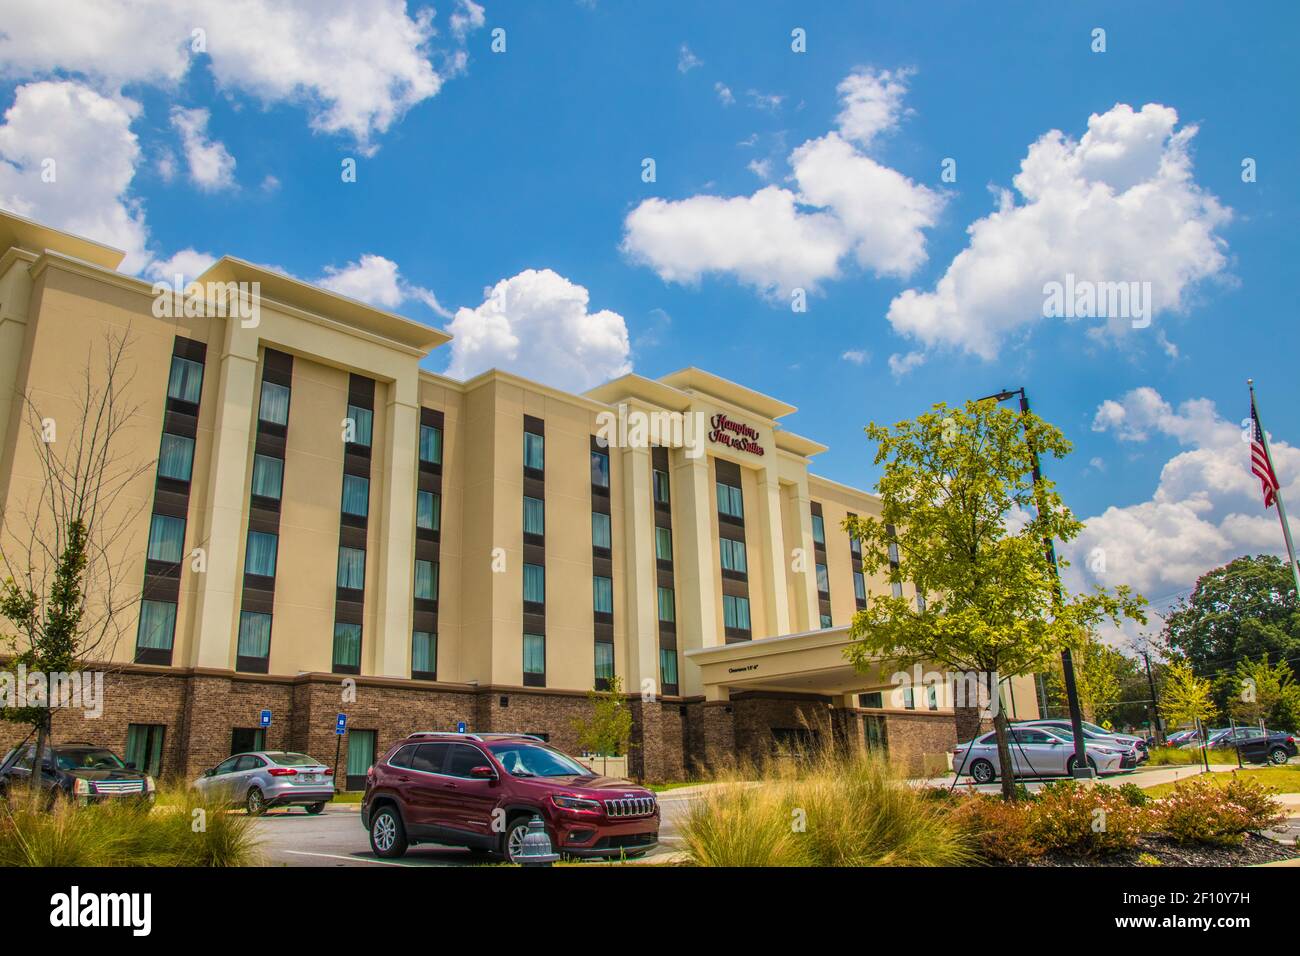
[(87, 760), (530, 760)]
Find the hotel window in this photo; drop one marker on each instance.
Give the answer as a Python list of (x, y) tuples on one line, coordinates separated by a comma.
[(534, 451), (893, 553), (356, 495), (362, 423), (534, 516), (855, 546), (352, 569), (175, 457), (667, 666), (667, 610), (260, 556), (426, 580), (424, 653), (254, 634), (859, 586), (909, 698), (823, 580), (604, 660), (534, 654), (871, 699), (157, 625), (166, 539), (896, 589), (274, 405), (428, 510), (920, 601), (602, 594), (268, 476), (735, 612), (932, 697), (664, 544), (534, 584), (819, 529), (185, 383), (144, 744), (661, 487), (431, 444), (600, 469), (347, 645), (825, 620), (730, 501), (733, 555), (600, 534)]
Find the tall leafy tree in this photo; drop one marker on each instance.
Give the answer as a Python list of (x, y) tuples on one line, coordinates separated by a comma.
[(959, 501)]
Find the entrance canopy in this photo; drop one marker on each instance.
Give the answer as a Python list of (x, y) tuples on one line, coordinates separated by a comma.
[(809, 663)]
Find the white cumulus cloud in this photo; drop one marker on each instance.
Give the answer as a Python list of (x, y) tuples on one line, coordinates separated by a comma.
[(211, 165), (378, 281), (1118, 205), (538, 324)]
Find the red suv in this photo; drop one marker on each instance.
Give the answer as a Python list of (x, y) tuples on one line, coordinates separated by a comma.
[(480, 791)]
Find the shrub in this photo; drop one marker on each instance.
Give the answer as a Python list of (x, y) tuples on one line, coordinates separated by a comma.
[(831, 809), (1202, 811), (1084, 821), (121, 833), (998, 830), (1133, 795)]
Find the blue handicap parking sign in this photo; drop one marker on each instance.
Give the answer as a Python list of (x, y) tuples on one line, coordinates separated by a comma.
[(460, 727), (266, 718), (341, 725)]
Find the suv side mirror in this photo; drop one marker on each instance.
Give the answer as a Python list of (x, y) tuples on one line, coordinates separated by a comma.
[(483, 773)]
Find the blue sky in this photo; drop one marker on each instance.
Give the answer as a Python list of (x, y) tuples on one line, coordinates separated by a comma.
[(474, 167)]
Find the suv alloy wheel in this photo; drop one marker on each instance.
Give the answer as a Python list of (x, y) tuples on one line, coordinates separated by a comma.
[(387, 835)]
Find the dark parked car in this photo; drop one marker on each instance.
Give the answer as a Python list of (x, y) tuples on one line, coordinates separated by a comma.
[(1255, 745), (83, 772), (481, 790)]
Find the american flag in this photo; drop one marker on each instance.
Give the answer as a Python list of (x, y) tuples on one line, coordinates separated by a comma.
[(1260, 466)]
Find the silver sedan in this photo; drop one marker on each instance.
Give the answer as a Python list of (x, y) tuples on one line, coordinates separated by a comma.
[(269, 778), (1035, 752)]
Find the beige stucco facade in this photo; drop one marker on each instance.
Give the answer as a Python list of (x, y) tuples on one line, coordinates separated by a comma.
[(60, 297)]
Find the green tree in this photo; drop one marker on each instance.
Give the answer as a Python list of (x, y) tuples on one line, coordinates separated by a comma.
[(959, 501), (1186, 698), (608, 730), (1101, 673), (1264, 691), (1243, 609)]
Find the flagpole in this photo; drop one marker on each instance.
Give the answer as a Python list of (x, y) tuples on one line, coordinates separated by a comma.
[(1277, 495)]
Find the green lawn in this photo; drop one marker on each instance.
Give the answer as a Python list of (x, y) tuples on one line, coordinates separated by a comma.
[(1283, 779), (349, 796), (661, 787)]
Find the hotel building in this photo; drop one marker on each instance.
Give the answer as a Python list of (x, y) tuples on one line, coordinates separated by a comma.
[(322, 526)]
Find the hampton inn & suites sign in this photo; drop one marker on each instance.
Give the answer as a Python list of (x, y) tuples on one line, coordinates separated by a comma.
[(734, 434)]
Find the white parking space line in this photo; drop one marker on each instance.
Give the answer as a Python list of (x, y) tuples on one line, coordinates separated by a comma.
[(351, 859)]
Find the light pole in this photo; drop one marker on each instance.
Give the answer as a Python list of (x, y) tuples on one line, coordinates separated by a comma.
[(1082, 770)]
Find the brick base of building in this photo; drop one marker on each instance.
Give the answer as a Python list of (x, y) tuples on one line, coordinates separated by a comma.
[(672, 738)]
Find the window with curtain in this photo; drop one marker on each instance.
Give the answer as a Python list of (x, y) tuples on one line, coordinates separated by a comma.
[(260, 558), (431, 444), (667, 666), (424, 652), (356, 495), (144, 744), (274, 404), (268, 476), (893, 552), (664, 544), (166, 538), (735, 611), (534, 516), (896, 589), (909, 698), (855, 547), (534, 654), (825, 620), (920, 602), (602, 594), (932, 697), (185, 383), (254, 634), (661, 486), (823, 580), (535, 583), (362, 422), (819, 529), (600, 536), (361, 752), (730, 501), (426, 580), (733, 555), (600, 469), (352, 568), (604, 660), (534, 451), (157, 625), (428, 510), (175, 457), (859, 586), (347, 644), (667, 610)]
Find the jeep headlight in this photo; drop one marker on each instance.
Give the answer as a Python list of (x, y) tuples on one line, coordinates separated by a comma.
[(80, 787), (149, 785), (575, 803)]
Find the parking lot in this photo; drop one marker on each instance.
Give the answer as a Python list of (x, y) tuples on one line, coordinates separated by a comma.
[(292, 837)]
